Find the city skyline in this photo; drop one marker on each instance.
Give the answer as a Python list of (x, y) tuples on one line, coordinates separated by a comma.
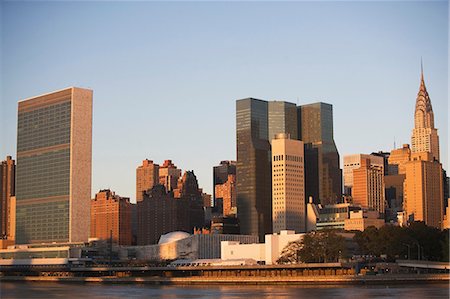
[(131, 116)]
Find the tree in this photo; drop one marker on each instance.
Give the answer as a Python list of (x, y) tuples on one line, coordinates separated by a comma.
[(394, 242), (315, 247)]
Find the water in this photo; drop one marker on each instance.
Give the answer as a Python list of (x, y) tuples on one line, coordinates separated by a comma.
[(73, 290)]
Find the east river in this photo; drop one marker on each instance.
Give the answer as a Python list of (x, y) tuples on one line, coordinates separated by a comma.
[(85, 291)]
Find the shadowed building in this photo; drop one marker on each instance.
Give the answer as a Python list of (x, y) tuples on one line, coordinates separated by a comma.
[(282, 119), (157, 215), (7, 183), (253, 173), (323, 176), (53, 172), (190, 212), (111, 218), (393, 182), (147, 176)]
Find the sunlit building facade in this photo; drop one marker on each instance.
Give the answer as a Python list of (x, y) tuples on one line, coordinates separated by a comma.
[(53, 172)]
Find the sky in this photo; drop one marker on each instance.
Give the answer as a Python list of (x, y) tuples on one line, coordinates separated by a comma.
[(166, 75)]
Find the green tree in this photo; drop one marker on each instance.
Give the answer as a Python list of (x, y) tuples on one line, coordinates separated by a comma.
[(315, 247), (394, 242)]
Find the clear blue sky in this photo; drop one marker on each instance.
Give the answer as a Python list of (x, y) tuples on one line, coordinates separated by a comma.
[(166, 75)]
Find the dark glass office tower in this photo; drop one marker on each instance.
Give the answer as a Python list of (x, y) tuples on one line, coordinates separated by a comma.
[(323, 176), (282, 119), (253, 178), (53, 173)]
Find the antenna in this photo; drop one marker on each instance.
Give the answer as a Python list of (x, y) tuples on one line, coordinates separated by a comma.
[(297, 101), (394, 143)]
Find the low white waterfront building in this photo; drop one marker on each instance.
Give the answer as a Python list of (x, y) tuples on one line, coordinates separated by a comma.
[(267, 252)]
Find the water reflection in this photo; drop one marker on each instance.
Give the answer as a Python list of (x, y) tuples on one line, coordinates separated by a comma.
[(70, 290)]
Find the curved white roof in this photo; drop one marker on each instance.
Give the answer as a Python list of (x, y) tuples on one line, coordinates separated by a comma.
[(172, 237)]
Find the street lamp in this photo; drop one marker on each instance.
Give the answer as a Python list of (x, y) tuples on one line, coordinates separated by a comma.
[(409, 249)]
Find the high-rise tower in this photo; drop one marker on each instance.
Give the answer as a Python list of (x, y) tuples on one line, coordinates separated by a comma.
[(423, 185), (424, 135), (7, 184), (53, 172), (253, 172), (323, 176)]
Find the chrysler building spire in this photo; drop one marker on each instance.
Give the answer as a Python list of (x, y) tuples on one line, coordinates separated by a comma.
[(424, 136)]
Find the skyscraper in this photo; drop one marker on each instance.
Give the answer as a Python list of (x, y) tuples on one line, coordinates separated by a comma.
[(147, 176), (7, 183), (323, 176), (53, 173), (282, 119), (288, 189), (253, 178), (256, 121), (423, 186), (424, 135)]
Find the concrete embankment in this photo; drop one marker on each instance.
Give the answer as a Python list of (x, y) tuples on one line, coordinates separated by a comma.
[(344, 279)]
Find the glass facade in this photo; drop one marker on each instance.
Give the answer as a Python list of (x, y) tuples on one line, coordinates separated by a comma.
[(282, 119), (253, 179), (323, 176), (43, 171), (43, 222), (43, 175), (44, 127)]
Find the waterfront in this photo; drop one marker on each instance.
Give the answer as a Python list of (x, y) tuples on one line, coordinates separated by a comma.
[(66, 290)]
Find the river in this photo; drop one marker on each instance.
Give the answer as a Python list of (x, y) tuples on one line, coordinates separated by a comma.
[(74, 290)]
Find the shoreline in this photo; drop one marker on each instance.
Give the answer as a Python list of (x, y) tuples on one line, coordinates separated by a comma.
[(196, 280)]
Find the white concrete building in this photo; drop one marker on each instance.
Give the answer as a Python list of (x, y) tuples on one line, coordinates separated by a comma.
[(288, 184), (267, 252)]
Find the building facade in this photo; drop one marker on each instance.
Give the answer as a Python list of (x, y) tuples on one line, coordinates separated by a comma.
[(323, 176), (169, 175), (288, 184), (111, 218), (53, 172), (157, 215), (7, 183), (423, 200), (220, 175), (147, 176), (424, 135), (253, 173), (226, 194), (423, 186), (368, 186), (352, 162)]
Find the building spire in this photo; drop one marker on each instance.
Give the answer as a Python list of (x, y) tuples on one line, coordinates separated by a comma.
[(424, 138)]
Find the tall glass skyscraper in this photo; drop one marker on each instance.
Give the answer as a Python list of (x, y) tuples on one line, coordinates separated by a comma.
[(253, 171), (257, 123), (53, 172), (323, 175)]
